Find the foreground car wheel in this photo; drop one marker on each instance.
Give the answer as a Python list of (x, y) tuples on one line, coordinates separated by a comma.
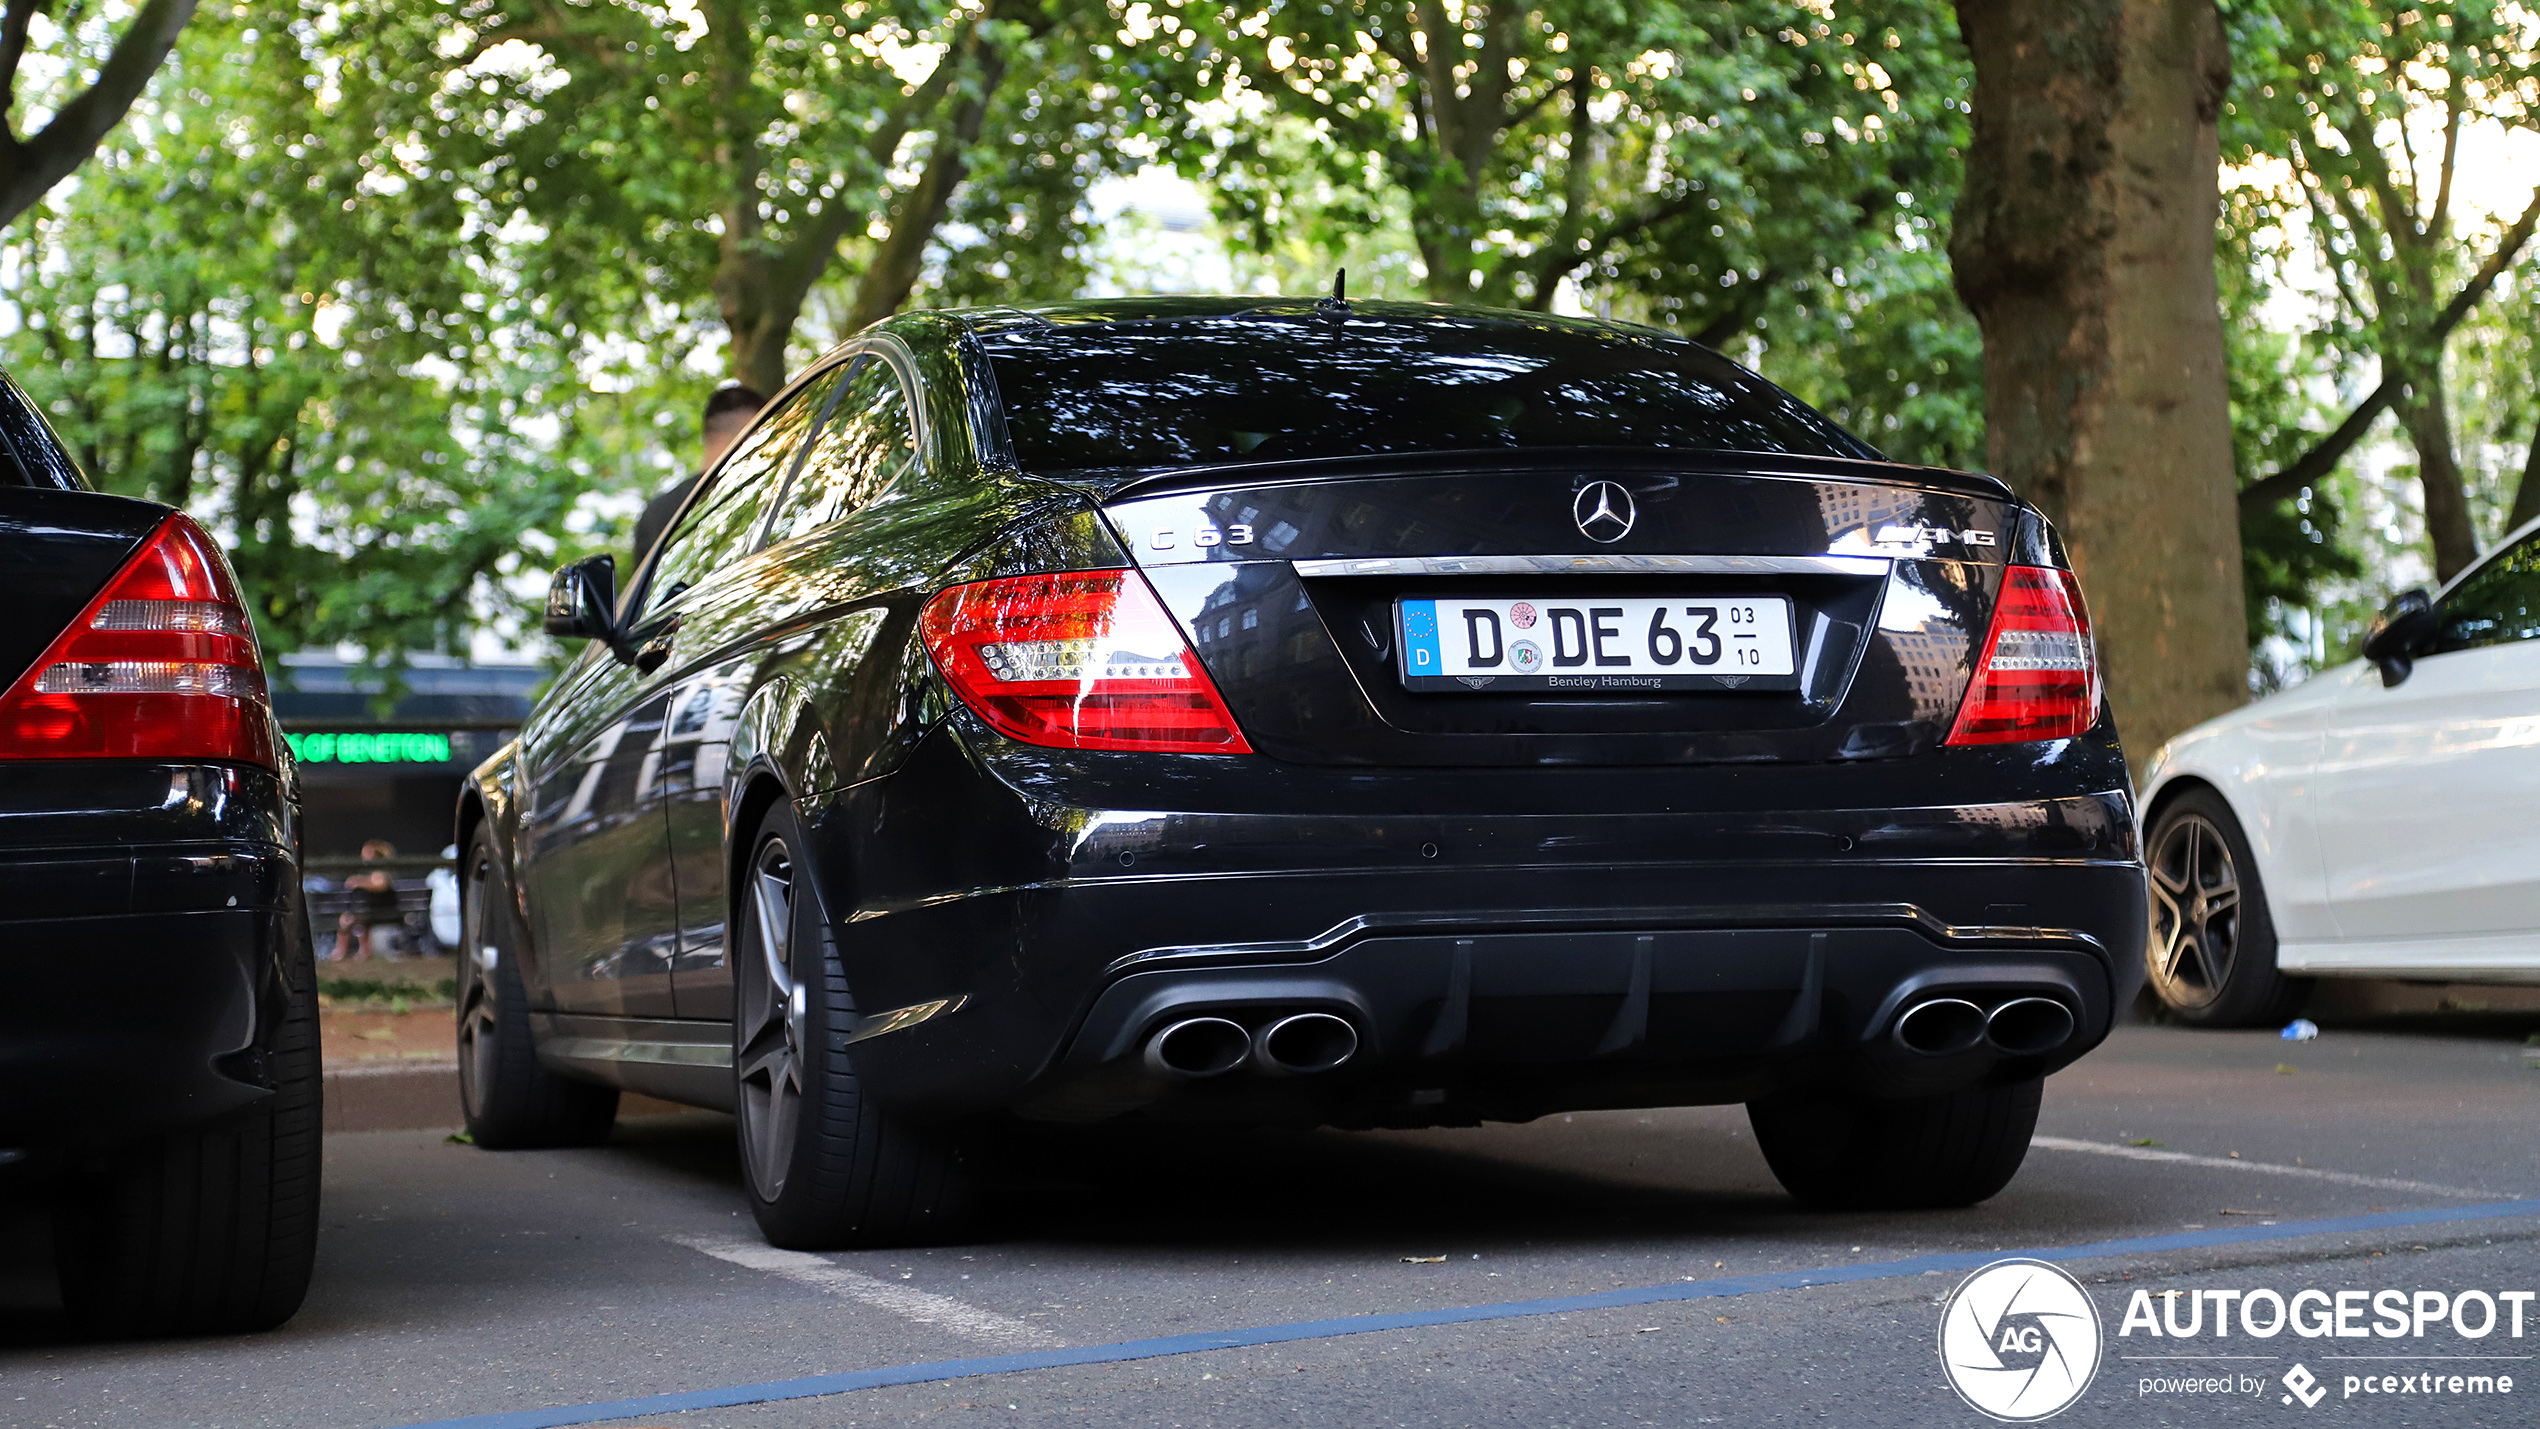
[(826, 1167), (2211, 955), (510, 1100), (209, 1231), (1835, 1153)]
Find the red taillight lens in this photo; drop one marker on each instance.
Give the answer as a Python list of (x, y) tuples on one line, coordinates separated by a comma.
[(2039, 678), (1079, 660), (161, 665)]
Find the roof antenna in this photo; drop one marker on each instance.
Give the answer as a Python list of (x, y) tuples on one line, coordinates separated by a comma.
[(1337, 305)]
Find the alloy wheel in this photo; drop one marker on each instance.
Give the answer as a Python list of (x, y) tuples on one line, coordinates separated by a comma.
[(768, 1033), (2195, 912), (478, 1047)]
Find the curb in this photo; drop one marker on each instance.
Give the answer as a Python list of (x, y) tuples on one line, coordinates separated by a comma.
[(422, 1096), (396, 1096)]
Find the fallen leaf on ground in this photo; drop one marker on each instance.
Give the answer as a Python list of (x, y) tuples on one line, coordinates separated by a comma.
[(376, 1034)]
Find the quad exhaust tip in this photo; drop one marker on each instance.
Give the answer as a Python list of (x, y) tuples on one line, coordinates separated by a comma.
[(2026, 1026), (1941, 1027), (2021, 1027), (1305, 1043), (1198, 1047)]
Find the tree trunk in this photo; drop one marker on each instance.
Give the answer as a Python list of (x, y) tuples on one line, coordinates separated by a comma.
[(2427, 415), (2084, 246)]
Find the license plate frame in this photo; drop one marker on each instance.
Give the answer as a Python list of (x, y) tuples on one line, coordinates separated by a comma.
[(1622, 622)]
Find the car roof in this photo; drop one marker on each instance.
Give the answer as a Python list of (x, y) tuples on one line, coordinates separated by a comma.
[(1055, 318)]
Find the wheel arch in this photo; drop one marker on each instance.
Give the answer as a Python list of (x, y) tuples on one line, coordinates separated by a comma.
[(760, 788), (2170, 790)]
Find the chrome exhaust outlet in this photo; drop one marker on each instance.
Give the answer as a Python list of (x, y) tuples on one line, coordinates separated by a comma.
[(1941, 1027), (2026, 1026), (1198, 1047), (1306, 1043)]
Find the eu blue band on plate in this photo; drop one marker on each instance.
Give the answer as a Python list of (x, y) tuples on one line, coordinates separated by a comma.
[(1420, 638)]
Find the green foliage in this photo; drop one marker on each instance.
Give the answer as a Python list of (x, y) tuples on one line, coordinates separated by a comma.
[(1697, 166), (409, 301), (230, 312), (2359, 131), (1889, 352)]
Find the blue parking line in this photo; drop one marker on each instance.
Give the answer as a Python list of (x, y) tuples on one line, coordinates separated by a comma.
[(815, 1386)]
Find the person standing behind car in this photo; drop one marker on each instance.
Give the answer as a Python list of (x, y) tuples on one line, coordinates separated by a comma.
[(727, 412)]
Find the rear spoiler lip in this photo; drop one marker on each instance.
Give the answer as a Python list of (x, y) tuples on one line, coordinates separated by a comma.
[(1712, 565), (1122, 484)]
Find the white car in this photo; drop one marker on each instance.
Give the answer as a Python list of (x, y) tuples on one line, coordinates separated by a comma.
[(2382, 820)]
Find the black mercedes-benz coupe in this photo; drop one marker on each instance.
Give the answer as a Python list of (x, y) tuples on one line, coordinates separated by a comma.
[(159, 1075), (1313, 712)]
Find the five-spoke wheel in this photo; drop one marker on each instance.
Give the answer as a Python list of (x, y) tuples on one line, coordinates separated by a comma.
[(826, 1166), (768, 1030), (2211, 955)]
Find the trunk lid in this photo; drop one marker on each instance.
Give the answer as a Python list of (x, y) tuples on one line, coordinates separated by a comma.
[(1290, 581), (57, 550)]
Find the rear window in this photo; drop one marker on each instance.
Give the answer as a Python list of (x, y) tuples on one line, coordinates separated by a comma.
[(1287, 386), (30, 455)]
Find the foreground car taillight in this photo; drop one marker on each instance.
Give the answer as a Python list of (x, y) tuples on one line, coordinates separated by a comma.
[(1078, 660), (2039, 677), (161, 665)]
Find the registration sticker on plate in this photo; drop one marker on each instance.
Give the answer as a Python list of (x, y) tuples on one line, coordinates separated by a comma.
[(1597, 644)]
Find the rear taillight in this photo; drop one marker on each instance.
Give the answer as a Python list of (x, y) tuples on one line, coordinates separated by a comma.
[(2039, 677), (161, 665), (1079, 660)]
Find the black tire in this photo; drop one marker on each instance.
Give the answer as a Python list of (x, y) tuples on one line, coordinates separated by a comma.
[(510, 1100), (1920, 1153), (2210, 958), (826, 1168), (213, 1230)]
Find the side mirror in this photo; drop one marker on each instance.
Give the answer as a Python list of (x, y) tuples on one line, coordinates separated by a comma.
[(582, 602), (2406, 626)]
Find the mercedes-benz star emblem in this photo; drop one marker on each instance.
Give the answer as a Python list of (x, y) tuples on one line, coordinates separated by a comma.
[(1604, 511)]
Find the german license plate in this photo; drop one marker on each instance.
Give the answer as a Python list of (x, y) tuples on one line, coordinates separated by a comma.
[(1596, 645)]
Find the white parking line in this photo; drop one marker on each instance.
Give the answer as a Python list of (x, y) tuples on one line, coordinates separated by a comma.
[(2342, 1178), (907, 1301)]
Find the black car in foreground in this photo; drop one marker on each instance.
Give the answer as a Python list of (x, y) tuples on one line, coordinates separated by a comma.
[(159, 1074), (1324, 713)]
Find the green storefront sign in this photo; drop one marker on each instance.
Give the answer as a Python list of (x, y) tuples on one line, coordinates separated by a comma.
[(371, 747)]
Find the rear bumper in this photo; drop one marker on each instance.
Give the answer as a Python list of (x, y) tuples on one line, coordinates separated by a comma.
[(142, 975), (1492, 966)]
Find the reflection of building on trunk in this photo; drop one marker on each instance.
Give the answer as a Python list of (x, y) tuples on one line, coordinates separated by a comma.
[(373, 780)]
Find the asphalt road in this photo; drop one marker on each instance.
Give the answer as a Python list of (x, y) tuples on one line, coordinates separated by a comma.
[(455, 1282)]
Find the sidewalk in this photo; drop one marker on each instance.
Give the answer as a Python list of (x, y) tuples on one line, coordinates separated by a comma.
[(392, 1062)]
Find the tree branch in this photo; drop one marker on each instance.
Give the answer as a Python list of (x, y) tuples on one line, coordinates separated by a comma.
[(1562, 255), (803, 260), (2441, 221), (29, 168), (13, 27), (896, 265), (2310, 467)]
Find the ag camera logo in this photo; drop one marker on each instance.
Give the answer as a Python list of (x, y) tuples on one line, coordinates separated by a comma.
[(2019, 1341)]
